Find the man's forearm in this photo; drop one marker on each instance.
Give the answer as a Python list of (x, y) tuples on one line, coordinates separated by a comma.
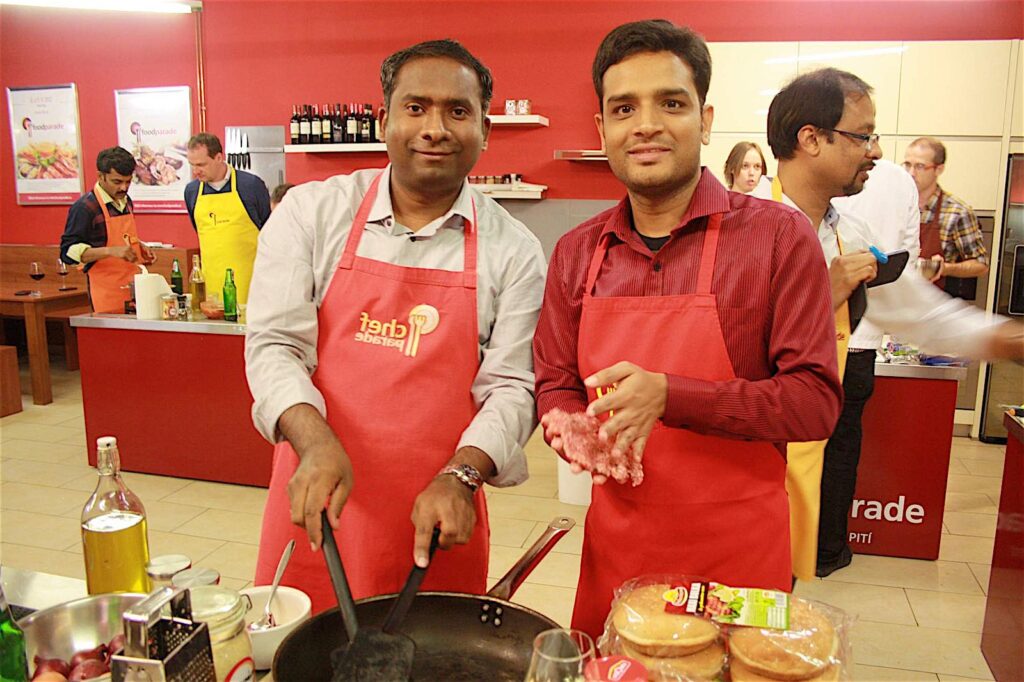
[(94, 253), (967, 268), (476, 458), (306, 429)]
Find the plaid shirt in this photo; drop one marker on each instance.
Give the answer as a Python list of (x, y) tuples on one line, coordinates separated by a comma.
[(958, 229)]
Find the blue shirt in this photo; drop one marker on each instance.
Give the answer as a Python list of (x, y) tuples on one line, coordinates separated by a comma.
[(251, 190)]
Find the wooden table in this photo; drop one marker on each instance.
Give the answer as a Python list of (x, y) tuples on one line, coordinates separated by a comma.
[(33, 310)]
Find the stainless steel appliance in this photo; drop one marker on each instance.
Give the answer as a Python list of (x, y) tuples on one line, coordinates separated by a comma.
[(258, 150), (1004, 381)]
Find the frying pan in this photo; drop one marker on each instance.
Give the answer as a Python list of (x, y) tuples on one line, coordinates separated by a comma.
[(458, 636)]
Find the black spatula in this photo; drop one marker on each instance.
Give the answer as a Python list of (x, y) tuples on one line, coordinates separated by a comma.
[(371, 655)]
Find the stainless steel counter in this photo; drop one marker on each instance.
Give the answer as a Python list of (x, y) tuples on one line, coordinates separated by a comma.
[(36, 590), (200, 326), (888, 369)]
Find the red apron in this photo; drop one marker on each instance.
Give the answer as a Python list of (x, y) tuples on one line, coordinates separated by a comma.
[(398, 353), (931, 238), (109, 277), (708, 506)]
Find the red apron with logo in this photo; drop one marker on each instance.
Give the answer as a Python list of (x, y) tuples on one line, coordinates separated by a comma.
[(708, 506), (931, 238), (109, 277), (398, 353)]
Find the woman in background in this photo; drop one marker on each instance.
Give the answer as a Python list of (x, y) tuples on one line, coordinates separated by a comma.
[(744, 167)]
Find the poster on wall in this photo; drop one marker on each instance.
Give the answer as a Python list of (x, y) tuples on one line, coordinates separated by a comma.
[(154, 124), (46, 143)]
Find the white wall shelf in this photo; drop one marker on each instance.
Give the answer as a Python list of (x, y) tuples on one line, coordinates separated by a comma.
[(524, 190), (580, 155), (524, 120), (355, 147)]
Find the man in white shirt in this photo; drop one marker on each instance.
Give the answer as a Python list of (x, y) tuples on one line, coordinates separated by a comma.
[(414, 299), (821, 128)]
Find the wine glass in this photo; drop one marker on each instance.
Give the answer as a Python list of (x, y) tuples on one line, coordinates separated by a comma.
[(560, 656), (35, 271), (62, 270)]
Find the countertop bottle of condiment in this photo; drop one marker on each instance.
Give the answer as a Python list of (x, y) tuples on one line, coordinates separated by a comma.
[(197, 284), (230, 297), (115, 544), (177, 280), (13, 662), (223, 611)]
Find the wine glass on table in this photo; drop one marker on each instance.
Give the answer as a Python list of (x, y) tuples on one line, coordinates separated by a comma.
[(35, 271), (62, 270), (560, 656)]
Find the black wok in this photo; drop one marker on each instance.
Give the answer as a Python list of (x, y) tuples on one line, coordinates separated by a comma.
[(458, 636)]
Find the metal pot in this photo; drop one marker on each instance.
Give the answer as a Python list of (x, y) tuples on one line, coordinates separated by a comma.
[(62, 630), (458, 636)]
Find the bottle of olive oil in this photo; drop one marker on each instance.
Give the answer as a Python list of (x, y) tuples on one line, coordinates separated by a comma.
[(114, 540)]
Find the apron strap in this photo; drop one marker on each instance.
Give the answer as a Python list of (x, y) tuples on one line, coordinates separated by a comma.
[(356, 232), (126, 238), (709, 253), (469, 246)]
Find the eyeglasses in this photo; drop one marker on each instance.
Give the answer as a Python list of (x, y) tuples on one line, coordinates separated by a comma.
[(868, 140), (919, 167)]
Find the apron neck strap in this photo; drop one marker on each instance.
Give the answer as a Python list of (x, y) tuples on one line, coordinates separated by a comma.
[(348, 257), (708, 256), (231, 179), (936, 210)]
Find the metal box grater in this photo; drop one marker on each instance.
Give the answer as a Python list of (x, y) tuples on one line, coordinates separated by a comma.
[(164, 645)]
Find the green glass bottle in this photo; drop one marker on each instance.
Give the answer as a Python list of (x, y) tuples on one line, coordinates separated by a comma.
[(230, 297), (13, 662), (177, 280)]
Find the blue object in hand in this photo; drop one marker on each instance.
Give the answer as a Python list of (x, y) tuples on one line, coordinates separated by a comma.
[(879, 256)]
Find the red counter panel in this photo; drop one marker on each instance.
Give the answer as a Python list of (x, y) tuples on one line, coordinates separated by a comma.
[(178, 404)]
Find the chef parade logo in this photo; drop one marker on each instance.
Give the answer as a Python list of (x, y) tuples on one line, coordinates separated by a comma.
[(403, 336)]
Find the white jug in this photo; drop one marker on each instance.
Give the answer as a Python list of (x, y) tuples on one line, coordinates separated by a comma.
[(149, 287)]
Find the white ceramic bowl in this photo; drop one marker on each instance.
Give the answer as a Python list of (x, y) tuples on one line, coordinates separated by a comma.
[(290, 607)]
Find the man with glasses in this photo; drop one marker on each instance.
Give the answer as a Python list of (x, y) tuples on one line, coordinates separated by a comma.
[(821, 128), (950, 234)]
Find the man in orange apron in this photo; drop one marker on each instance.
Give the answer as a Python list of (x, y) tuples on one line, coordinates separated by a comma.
[(388, 351), (950, 233), (706, 312), (100, 233), (228, 207)]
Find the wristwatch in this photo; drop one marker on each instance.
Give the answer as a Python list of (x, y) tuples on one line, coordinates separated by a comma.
[(467, 475)]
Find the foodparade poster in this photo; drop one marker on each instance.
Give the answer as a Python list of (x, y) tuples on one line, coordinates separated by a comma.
[(154, 124), (47, 144)]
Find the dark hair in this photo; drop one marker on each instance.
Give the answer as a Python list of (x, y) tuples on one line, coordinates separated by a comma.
[(208, 140), (653, 35), (734, 163), (817, 98), (447, 48), (938, 149), (279, 192), (115, 158)]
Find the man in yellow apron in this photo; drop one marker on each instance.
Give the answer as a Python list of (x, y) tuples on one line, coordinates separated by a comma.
[(228, 207)]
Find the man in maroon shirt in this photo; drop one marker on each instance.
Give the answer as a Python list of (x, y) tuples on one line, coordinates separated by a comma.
[(704, 316)]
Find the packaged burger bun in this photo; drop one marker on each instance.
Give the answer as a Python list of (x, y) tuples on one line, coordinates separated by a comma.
[(648, 622), (815, 647)]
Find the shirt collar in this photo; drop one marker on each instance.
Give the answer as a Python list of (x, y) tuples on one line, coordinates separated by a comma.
[(107, 199), (383, 213), (829, 221), (933, 198), (709, 197)]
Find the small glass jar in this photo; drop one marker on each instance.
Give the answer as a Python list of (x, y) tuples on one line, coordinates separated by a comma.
[(196, 577), (163, 568), (223, 610)]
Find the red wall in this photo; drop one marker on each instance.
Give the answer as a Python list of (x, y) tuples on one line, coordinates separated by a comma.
[(262, 57)]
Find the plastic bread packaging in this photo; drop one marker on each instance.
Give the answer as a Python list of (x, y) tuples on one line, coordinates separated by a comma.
[(685, 629)]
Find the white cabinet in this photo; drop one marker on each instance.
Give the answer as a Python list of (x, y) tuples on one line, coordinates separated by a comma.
[(744, 79), (954, 88), (972, 170), (1017, 122)]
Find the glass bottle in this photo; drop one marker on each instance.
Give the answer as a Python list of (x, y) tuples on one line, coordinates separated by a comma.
[(114, 540), (197, 284), (230, 297), (177, 281), (13, 662)]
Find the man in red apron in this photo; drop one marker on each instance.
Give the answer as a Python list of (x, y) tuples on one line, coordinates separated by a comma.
[(100, 233), (950, 234), (390, 320), (707, 312)]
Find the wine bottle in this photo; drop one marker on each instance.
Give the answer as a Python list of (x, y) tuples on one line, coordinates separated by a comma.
[(177, 281), (314, 126), (293, 126), (325, 124), (337, 126), (115, 544), (366, 121), (304, 125)]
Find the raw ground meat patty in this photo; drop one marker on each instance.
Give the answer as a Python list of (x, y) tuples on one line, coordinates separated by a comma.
[(582, 445)]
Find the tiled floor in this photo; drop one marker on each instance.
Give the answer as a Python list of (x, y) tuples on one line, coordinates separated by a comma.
[(916, 620)]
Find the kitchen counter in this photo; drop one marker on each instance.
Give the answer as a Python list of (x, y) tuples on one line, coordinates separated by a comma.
[(37, 591), (199, 326), (906, 371)]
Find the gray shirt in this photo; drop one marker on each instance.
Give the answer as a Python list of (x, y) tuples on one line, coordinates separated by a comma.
[(298, 252)]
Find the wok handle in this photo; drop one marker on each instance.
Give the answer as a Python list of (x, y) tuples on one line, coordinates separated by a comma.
[(510, 582), (341, 591)]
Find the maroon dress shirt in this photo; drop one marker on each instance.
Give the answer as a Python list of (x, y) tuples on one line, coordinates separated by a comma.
[(773, 296)]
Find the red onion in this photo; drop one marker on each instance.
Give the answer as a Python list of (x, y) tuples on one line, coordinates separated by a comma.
[(88, 669), (98, 654), (47, 665), (115, 646)]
